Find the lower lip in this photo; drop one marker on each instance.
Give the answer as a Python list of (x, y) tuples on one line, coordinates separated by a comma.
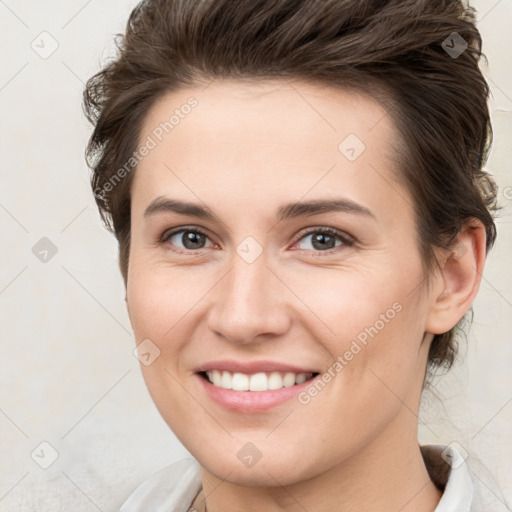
[(252, 401)]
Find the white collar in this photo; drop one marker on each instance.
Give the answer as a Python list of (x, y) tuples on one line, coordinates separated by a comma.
[(458, 489)]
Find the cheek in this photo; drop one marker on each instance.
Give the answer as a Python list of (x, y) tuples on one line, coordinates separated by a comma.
[(349, 305), (372, 331), (158, 310), (160, 300)]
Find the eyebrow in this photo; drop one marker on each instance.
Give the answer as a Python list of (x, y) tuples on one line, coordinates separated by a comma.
[(287, 211)]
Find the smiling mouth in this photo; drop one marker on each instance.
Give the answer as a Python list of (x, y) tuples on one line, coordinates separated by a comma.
[(262, 381)]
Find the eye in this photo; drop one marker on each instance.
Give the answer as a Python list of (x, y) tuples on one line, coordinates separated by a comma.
[(325, 239), (191, 239)]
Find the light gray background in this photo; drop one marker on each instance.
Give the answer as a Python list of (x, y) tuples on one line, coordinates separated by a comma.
[(68, 376)]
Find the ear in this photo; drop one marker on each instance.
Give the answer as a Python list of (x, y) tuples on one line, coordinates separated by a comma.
[(454, 288)]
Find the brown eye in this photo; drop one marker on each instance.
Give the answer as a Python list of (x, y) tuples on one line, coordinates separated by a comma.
[(325, 239), (190, 239)]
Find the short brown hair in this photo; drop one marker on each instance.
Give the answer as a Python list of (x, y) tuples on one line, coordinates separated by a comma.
[(399, 51)]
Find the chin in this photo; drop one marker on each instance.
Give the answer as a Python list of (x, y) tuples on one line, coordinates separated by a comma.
[(275, 469)]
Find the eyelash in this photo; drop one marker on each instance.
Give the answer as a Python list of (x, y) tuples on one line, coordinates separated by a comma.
[(346, 240)]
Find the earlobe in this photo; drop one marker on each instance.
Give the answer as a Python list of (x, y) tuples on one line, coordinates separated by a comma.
[(458, 281)]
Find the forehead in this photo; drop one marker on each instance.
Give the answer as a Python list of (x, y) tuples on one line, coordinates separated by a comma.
[(268, 108), (268, 138)]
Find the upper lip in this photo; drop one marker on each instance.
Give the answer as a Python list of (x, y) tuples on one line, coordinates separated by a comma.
[(250, 367)]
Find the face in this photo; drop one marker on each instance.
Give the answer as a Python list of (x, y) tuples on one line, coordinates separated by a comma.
[(273, 252)]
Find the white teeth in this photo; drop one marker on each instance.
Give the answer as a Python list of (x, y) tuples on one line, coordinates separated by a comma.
[(257, 381), (301, 377), (289, 380), (226, 381), (216, 377), (275, 381), (240, 382)]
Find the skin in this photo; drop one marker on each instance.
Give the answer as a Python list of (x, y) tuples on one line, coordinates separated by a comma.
[(245, 150)]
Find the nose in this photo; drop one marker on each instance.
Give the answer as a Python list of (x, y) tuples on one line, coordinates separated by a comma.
[(249, 304)]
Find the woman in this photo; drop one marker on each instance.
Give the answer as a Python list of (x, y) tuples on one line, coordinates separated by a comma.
[(303, 220)]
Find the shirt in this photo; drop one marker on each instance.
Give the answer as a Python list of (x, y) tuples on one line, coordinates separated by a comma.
[(465, 488)]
